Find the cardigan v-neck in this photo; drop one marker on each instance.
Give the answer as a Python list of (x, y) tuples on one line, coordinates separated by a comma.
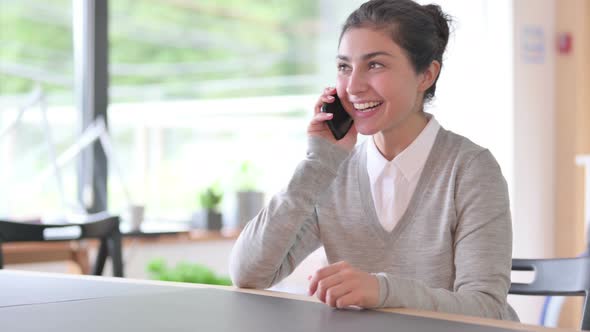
[(413, 204)]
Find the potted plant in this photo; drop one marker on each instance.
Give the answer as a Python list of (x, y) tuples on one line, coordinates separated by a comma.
[(210, 200), (250, 199)]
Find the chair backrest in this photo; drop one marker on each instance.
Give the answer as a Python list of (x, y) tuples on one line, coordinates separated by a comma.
[(557, 277), (102, 226)]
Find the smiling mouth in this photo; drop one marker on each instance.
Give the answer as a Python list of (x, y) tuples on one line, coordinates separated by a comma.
[(366, 107)]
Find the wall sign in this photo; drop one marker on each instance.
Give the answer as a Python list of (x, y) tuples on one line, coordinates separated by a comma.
[(533, 44)]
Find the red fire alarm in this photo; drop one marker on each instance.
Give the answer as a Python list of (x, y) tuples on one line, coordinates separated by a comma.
[(564, 43)]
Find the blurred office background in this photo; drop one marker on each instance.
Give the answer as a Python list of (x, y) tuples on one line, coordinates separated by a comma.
[(198, 88)]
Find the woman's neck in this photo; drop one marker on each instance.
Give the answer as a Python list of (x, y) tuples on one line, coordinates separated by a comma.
[(393, 141)]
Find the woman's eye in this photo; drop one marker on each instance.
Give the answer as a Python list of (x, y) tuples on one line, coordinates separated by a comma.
[(375, 65), (343, 67)]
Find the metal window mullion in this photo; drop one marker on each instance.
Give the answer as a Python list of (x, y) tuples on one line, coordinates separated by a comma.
[(90, 33)]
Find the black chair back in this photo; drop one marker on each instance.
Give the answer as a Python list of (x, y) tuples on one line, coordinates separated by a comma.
[(100, 226), (557, 277)]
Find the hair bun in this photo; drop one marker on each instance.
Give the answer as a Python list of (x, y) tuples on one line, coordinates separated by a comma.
[(441, 22)]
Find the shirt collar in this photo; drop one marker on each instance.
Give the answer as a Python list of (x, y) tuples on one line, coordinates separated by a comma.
[(410, 160)]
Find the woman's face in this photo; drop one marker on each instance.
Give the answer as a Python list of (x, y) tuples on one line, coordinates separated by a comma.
[(376, 81)]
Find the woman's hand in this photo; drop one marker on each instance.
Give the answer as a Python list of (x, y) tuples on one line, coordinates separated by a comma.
[(340, 285), (318, 128)]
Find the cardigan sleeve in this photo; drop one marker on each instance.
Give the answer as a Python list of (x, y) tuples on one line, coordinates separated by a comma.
[(286, 230)]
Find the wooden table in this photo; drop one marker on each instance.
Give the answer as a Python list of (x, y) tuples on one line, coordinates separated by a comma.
[(73, 252), (76, 252)]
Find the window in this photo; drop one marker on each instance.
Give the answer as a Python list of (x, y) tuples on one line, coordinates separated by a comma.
[(199, 87), (36, 71)]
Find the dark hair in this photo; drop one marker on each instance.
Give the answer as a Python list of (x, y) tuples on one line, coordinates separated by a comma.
[(421, 31)]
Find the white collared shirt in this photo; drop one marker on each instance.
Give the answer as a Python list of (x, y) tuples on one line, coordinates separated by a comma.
[(393, 182)]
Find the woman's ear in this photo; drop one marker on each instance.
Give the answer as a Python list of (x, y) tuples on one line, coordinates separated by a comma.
[(429, 75)]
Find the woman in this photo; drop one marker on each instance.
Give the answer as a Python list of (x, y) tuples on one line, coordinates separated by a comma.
[(415, 217)]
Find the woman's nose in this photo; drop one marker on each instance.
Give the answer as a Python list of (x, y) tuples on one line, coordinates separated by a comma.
[(357, 83)]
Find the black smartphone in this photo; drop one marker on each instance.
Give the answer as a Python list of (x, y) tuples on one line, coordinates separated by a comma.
[(341, 122)]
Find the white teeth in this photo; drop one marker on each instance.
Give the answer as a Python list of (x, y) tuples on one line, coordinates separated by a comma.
[(365, 106)]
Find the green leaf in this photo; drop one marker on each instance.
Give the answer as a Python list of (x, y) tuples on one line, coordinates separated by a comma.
[(211, 197), (185, 272)]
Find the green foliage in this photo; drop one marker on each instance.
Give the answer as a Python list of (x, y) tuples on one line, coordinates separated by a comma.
[(146, 37), (211, 197), (185, 272), (248, 177)]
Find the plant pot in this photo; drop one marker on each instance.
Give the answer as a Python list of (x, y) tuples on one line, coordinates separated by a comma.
[(213, 220), (249, 204), (198, 219)]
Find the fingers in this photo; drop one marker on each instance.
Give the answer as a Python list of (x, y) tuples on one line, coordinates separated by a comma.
[(340, 285), (328, 283), (324, 273), (335, 294), (347, 300), (328, 94), (320, 118), (317, 127), (326, 97)]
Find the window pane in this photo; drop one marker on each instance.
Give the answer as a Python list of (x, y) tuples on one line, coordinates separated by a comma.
[(36, 73), (200, 88), (211, 49)]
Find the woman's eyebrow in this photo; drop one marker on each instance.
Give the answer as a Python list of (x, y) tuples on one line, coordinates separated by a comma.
[(365, 56)]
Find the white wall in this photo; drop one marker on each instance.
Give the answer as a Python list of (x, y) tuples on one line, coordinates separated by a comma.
[(534, 137), (534, 151), (474, 92)]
